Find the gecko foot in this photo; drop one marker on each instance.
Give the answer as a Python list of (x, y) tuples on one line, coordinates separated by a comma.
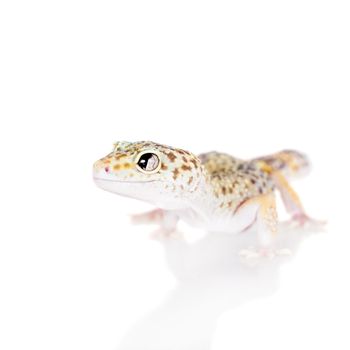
[(263, 253), (151, 217), (163, 233), (304, 221)]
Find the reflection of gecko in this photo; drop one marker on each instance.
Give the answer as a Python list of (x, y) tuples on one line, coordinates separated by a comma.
[(213, 191)]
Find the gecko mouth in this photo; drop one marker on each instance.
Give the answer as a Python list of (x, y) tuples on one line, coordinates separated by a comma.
[(122, 181)]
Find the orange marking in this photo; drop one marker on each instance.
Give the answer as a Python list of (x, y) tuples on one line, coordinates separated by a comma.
[(120, 156), (126, 165)]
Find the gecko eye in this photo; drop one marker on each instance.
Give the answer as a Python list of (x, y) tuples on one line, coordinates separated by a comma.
[(148, 162)]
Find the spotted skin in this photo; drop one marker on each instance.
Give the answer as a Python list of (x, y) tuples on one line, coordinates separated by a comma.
[(213, 190), (234, 180)]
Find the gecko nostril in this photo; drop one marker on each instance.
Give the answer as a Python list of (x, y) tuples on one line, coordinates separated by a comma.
[(106, 169)]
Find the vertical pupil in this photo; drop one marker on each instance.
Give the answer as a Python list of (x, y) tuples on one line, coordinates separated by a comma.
[(144, 160), (148, 161)]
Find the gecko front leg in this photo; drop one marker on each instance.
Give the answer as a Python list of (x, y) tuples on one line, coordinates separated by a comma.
[(166, 220)]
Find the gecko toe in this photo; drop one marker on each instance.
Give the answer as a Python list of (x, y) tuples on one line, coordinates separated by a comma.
[(304, 222), (165, 234), (263, 253)]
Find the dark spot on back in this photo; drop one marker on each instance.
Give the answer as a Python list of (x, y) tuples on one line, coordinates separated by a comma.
[(171, 156), (176, 173), (194, 162), (185, 167), (251, 167)]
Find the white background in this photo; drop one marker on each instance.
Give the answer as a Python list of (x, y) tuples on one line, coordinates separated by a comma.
[(244, 77)]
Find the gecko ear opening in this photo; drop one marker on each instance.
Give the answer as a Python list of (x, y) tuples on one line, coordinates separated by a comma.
[(148, 162)]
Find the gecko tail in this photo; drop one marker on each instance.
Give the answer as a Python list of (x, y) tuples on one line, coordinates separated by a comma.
[(292, 164)]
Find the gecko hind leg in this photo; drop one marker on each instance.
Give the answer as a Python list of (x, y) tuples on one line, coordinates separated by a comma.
[(267, 230), (166, 220), (293, 205)]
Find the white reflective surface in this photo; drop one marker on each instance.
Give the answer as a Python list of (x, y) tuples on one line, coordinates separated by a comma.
[(211, 279)]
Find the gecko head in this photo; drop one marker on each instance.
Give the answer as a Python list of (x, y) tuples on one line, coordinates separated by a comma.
[(162, 175)]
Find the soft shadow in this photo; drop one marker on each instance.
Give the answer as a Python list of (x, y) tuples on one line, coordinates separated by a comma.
[(211, 279)]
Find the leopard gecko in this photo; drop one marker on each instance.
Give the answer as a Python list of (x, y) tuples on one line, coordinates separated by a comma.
[(214, 191)]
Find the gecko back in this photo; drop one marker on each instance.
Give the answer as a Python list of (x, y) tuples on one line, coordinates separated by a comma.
[(290, 163)]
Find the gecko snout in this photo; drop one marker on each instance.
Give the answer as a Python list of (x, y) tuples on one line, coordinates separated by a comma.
[(100, 167)]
